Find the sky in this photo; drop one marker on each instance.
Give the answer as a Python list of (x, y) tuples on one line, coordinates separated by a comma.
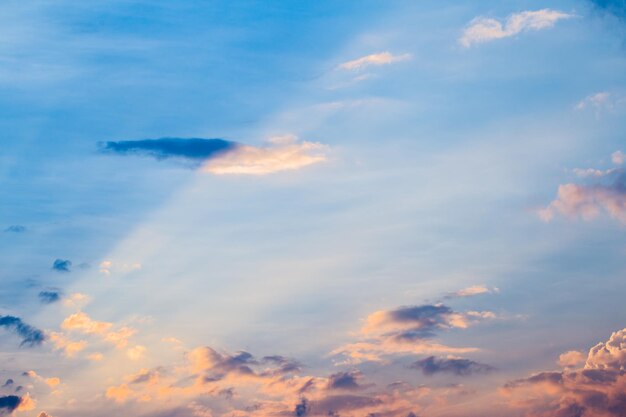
[(267, 209)]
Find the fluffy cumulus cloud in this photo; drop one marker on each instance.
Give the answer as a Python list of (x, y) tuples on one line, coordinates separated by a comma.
[(221, 157), (606, 195), (30, 335), (598, 389), (408, 330), (382, 58), (483, 29)]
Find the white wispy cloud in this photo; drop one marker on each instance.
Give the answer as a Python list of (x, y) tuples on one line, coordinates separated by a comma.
[(382, 58), (283, 153), (484, 29)]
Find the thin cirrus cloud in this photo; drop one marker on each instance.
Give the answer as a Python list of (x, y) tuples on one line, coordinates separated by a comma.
[(596, 389), (222, 157), (485, 29), (381, 58), (607, 194), (472, 291)]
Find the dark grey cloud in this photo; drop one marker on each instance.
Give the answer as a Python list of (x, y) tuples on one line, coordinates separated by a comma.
[(30, 335), (62, 265), (344, 381), (15, 228), (8, 383), (425, 319), (50, 296), (302, 408), (8, 404), (245, 363), (281, 364), (460, 367), (190, 149)]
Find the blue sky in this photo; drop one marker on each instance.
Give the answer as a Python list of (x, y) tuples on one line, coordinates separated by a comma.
[(394, 207)]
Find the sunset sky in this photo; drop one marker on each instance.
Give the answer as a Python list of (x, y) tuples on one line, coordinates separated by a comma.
[(245, 208)]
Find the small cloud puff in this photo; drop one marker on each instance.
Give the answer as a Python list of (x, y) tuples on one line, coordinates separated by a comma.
[(62, 265), (50, 296), (382, 58), (483, 29)]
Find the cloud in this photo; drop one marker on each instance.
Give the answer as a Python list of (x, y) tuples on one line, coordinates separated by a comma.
[(596, 390), (50, 296), (82, 323), (598, 101), (382, 58), (136, 353), (30, 335), (571, 359), (15, 228), (406, 330), (108, 267), (69, 347), (618, 157), (588, 201), (9, 403), (194, 149), (220, 157), (283, 154), (483, 29), (472, 291), (460, 367), (62, 265), (348, 380)]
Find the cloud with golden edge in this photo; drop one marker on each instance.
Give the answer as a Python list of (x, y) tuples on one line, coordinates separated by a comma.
[(284, 153)]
